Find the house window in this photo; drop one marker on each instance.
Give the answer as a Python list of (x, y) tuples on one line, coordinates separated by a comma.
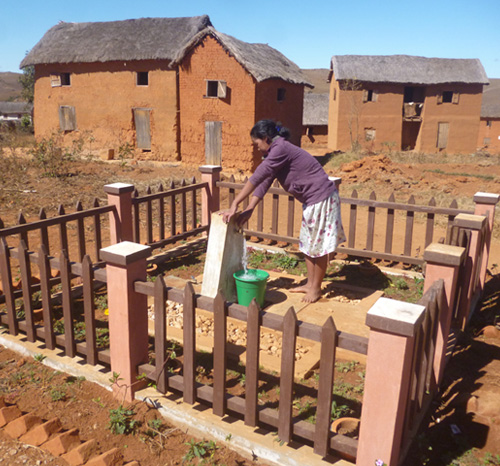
[(370, 134), (142, 78), (281, 94), (449, 97), (335, 94), (488, 123), (369, 95), (216, 89), (67, 118), (60, 79), (486, 141)]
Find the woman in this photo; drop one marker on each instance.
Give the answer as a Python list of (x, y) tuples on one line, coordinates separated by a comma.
[(302, 176)]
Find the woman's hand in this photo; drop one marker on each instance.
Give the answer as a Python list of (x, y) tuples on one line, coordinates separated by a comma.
[(227, 215)]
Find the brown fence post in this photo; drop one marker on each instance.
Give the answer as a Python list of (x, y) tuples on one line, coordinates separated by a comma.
[(128, 313), (393, 326), (120, 222), (443, 262), (210, 198), (485, 205)]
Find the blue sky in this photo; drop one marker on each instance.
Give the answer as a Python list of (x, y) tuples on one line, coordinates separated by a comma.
[(307, 32)]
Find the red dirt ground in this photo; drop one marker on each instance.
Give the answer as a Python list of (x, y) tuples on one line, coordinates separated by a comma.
[(470, 398)]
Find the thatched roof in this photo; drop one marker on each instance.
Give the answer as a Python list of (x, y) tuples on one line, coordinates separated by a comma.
[(315, 109), (260, 60), (8, 108), (154, 39), (133, 39), (490, 107), (407, 69)]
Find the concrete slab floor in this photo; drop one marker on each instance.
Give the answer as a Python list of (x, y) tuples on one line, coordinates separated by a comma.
[(197, 421)]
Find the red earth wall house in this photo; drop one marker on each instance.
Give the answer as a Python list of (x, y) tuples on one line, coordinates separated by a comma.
[(400, 102), (489, 125), (162, 89)]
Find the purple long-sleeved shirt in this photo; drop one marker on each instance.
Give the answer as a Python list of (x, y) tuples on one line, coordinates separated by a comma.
[(297, 171)]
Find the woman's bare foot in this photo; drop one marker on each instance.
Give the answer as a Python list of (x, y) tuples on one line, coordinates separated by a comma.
[(299, 289), (311, 296)]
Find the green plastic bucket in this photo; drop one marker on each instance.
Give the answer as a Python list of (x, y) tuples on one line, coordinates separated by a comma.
[(251, 284)]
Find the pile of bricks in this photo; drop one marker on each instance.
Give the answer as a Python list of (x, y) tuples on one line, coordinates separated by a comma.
[(50, 436)]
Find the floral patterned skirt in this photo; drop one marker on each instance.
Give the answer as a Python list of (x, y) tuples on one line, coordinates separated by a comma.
[(321, 231)]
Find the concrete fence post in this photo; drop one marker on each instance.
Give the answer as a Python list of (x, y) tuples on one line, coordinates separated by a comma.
[(485, 205), (128, 313), (470, 279), (120, 222), (391, 341), (210, 198), (443, 262)]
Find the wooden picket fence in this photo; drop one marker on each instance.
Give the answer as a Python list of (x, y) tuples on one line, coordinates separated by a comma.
[(247, 406), (54, 262), (284, 206)]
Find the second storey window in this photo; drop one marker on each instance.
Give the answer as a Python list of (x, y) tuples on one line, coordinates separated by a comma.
[(448, 97), (281, 94), (142, 78), (369, 95), (60, 79), (216, 89)]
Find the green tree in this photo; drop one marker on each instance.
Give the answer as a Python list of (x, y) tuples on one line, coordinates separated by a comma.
[(27, 81)]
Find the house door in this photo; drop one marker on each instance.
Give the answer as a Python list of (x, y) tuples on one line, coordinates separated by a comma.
[(213, 142), (442, 139), (142, 128)]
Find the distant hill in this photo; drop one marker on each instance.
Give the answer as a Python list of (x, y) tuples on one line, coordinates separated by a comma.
[(317, 77), (10, 89)]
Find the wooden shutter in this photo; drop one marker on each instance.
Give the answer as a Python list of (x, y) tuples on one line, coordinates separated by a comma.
[(374, 96), (442, 137), (454, 99), (440, 98), (222, 89), (55, 80), (213, 142), (67, 118), (365, 95), (142, 128)]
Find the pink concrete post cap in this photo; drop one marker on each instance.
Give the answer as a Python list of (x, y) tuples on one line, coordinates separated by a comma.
[(444, 254), (125, 253), (394, 316), (118, 188), (210, 168), (474, 222), (486, 198)]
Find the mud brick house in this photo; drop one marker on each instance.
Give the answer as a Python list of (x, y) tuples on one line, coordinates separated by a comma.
[(13, 112), (315, 121), (405, 102), (489, 126), (170, 88)]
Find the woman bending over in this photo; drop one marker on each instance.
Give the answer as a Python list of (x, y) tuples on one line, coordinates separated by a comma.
[(302, 176)]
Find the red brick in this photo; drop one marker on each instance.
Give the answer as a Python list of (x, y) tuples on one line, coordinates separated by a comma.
[(21, 425), (112, 457), (62, 443), (42, 433), (81, 454), (9, 413)]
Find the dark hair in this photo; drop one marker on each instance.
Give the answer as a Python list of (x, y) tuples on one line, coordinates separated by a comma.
[(268, 129)]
